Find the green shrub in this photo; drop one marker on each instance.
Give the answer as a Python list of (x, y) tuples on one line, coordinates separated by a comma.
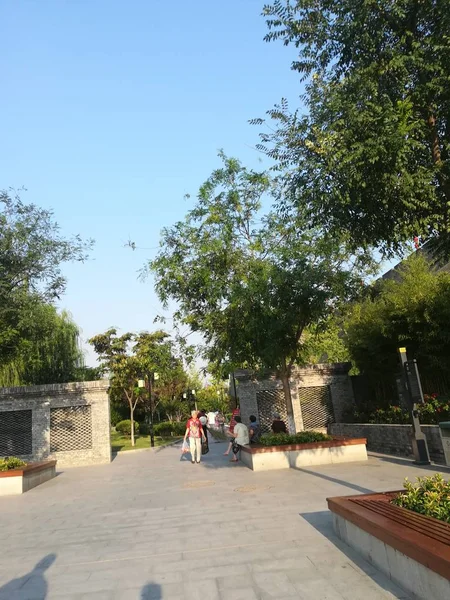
[(124, 427), (429, 497), (167, 428), (303, 437), (435, 409), (10, 463)]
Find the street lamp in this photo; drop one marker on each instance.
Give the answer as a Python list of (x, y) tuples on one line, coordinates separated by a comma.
[(151, 378)]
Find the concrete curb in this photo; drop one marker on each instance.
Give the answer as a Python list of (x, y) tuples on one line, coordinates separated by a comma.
[(157, 449)]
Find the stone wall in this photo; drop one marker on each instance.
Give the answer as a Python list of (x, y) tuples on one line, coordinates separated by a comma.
[(391, 439), (335, 376), (78, 412)]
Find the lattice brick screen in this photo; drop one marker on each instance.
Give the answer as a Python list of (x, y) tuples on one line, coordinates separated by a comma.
[(70, 428), (316, 405), (270, 401), (16, 433)]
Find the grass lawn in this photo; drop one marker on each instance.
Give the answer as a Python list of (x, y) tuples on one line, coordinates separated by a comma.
[(122, 442)]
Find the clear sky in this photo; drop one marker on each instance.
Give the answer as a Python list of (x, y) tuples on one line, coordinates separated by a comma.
[(111, 111)]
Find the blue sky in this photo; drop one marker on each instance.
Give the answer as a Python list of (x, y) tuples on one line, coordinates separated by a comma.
[(112, 111)]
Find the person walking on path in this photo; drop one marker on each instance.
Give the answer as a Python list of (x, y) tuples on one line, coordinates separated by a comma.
[(194, 430), (240, 434), (204, 421)]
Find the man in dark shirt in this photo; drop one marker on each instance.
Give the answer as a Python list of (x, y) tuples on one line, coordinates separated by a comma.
[(278, 426)]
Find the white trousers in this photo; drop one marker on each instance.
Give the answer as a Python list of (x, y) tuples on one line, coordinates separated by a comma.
[(195, 445)]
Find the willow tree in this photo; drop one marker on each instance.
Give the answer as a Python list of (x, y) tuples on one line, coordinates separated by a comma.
[(251, 282), (370, 153), (48, 351), (32, 252)]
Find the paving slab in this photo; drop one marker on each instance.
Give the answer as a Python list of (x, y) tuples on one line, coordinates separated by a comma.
[(153, 526)]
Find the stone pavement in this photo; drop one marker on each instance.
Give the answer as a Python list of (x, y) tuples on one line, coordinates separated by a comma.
[(150, 526)]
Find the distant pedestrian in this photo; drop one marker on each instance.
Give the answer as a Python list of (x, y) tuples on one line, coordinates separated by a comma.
[(240, 434), (254, 430), (204, 421), (278, 426), (194, 431)]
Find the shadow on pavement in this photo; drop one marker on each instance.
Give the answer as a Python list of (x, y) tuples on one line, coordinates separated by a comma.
[(33, 584), (151, 591), (323, 523), (352, 486), (408, 462)]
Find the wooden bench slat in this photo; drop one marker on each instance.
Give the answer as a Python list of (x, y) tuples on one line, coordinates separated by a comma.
[(420, 523)]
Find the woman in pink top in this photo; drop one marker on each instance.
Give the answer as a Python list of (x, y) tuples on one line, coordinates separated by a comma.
[(194, 430)]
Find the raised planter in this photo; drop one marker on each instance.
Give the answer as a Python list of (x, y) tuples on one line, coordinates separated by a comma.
[(413, 550), (338, 450), (19, 481)]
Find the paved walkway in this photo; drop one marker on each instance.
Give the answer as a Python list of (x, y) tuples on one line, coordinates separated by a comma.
[(150, 526)]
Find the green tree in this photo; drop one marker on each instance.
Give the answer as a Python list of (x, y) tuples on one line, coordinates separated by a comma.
[(48, 350), (371, 156), (131, 357), (412, 311), (116, 358), (250, 282), (32, 251), (325, 343)]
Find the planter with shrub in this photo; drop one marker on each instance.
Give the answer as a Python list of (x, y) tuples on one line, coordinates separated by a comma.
[(17, 476), (307, 448), (405, 534)]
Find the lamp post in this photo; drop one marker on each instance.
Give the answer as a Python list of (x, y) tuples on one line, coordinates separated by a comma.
[(151, 378), (410, 381)]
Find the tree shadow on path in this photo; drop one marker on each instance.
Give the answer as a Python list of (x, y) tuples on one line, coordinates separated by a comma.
[(33, 582)]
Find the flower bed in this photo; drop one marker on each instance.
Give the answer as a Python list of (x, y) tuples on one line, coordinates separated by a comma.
[(286, 455), (413, 549), (20, 479)]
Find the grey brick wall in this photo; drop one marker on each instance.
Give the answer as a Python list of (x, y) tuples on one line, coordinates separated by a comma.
[(42, 398), (391, 439), (333, 375)]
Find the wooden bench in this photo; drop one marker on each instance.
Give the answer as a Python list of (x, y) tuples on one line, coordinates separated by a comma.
[(423, 539)]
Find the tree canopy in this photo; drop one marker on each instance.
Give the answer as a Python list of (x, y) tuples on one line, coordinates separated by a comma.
[(411, 311), (250, 281), (48, 351), (130, 357), (371, 154), (32, 251)]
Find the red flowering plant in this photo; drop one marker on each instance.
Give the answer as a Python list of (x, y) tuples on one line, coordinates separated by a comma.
[(435, 409)]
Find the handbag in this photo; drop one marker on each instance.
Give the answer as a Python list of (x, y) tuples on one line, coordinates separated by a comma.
[(205, 447)]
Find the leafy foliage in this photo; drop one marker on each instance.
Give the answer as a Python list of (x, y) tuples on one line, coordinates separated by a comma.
[(124, 427), (130, 357), (433, 411), (371, 157), (48, 351), (168, 428), (9, 463), (411, 311), (250, 282), (303, 437), (430, 497), (31, 254)]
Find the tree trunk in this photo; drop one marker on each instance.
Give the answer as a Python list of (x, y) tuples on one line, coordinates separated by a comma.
[(284, 376), (132, 424)]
